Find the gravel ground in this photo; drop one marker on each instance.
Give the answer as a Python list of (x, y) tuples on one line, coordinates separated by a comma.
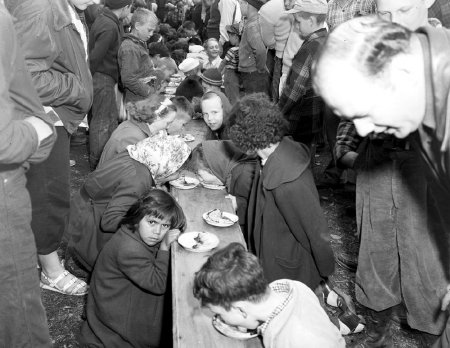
[(65, 313)]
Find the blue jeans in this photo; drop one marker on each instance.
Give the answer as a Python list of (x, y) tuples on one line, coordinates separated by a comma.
[(255, 82), (104, 118), (22, 315), (49, 187)]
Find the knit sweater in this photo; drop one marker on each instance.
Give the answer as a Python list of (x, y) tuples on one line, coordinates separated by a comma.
[(275, 25)]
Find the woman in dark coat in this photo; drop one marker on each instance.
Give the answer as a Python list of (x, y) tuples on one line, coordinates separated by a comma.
[(112, 189), (288, 230)]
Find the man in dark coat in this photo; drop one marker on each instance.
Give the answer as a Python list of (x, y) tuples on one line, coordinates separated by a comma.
[(413, 81)]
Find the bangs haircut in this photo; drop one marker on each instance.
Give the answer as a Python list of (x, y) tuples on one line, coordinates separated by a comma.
[(158, 204), (229, 275), (211, 95)]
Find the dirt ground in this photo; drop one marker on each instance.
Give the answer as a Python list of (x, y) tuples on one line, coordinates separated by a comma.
[(65, 313)]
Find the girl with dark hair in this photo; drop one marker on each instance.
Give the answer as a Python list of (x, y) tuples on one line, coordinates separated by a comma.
[(126, 297)]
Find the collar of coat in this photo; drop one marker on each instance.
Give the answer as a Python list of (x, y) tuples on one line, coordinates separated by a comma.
[(136, 40), (61, 14), (435, 42), (292, 157)]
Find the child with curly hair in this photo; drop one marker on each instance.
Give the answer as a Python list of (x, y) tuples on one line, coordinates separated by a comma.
[(126, 297), (287, 227)]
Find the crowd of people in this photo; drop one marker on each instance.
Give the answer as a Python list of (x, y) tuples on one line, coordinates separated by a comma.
[(271, 80)]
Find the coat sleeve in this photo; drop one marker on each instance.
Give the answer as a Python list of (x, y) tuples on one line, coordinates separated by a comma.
[(299, 204), (258, 48), (18, 100), (55, 86), (144, 270), (124, 196), (130, 72)]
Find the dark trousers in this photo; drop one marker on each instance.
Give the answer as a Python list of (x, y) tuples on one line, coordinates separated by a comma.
[(49, 187), (278, 64), (331, 123), (104, 116), (254, 82), (22, 315)]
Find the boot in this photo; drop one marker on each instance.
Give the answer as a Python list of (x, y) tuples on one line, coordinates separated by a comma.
[(379, 330)]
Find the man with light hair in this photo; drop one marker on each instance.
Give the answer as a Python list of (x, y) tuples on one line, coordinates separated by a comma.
[(397, 82)]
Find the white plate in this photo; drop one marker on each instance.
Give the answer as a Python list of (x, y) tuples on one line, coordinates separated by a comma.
[(185, 137), (212, 186), (231, 331), (170, 90), (189, 241), (225, 219), (185, 183)]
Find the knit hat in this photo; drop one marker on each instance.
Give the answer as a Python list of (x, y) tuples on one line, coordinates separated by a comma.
[(233, 29), (188, 64), (212, 77), (190, 87), (256, 3), (310, 6), (116, 4)]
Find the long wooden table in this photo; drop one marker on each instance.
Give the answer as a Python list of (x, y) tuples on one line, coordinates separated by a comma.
[(192, 326)]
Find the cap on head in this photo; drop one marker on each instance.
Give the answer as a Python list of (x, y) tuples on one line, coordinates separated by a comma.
[(188, 64), (233, 29), (212, 77), (310, 6)]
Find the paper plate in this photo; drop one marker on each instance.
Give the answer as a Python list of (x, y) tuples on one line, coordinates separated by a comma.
[(220, 218), (231, 331), (212, 186), (185, 137), (198, 242), (185, 183)]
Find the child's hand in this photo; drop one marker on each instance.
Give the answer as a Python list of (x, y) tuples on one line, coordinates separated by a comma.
[(169, 238)]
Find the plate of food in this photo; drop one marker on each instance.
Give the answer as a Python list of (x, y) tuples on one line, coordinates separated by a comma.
[(186, 137), (232, 331), (184, 182), (170, 90), (198, 242), (219, 218), (212, 186)]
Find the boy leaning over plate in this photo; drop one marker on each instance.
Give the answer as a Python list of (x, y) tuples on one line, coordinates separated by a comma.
[(285, 312)]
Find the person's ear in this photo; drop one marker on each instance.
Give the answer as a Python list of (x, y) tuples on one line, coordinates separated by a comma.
[(241, 307)]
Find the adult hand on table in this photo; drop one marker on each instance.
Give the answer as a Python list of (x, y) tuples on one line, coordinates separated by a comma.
[(169, 238)]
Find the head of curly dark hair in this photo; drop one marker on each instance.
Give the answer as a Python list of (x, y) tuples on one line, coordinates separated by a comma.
[(256, 123)]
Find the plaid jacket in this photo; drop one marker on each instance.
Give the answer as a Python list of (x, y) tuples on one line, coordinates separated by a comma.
[(346, 139), (338, 14), (441, 11), (298, 100)]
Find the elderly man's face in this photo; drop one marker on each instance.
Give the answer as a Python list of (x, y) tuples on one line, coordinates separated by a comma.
[(412, 14), (385, 105)]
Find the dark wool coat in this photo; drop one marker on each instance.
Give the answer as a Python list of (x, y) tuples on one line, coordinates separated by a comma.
[(288, 230), (126, 294), (104, 199)]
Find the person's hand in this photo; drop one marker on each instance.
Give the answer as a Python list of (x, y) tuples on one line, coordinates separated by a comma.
[(446, 299), (169, 238), (348, 160), (43, 130), (147, 79)]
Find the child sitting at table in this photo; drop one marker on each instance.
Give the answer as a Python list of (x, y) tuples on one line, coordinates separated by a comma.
[(126, 296), (215, 109), (285, 312), (222, 163)]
